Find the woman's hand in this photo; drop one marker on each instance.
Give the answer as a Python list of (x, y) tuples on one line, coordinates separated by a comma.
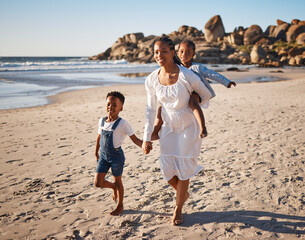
[(146, 146)]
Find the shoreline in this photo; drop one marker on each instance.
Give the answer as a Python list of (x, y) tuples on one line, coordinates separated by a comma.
[(252, 185), (244, 76)]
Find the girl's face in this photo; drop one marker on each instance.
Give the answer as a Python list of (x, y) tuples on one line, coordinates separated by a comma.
[(163, 54), (185, 53)]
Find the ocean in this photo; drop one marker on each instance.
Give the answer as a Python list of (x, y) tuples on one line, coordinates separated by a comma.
[(29, 81)]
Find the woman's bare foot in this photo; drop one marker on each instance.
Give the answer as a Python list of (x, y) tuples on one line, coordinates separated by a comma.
[(177, 217), (115, 193), (119, 209)]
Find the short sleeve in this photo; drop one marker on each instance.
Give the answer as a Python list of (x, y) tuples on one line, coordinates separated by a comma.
[(99, 131), (127, 128)]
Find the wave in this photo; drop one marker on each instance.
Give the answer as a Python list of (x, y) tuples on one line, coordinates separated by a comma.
[(62, 63)]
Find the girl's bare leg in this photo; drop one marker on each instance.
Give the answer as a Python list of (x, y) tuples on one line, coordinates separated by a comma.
[(120, 189), (194, 105), (99, 181)]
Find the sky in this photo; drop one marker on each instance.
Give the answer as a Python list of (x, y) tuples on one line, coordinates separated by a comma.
[(89, 27)]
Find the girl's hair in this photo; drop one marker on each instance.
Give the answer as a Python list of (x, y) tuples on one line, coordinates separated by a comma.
[(171, 45), (189, 44)]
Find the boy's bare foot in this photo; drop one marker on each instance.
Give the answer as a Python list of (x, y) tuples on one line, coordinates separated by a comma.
[(119, 209), (203, 133), (115, 193), (177, 217)]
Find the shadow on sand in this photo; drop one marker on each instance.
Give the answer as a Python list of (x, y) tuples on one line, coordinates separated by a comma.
[(272, 222)]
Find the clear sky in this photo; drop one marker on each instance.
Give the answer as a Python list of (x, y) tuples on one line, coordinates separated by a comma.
[(88, 27)]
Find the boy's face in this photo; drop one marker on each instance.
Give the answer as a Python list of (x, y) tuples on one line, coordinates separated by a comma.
[(113, 106)]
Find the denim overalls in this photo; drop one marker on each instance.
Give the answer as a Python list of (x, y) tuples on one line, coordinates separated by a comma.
[(110, 156)]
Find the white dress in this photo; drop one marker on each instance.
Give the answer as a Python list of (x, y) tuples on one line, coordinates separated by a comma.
[(179, 136)]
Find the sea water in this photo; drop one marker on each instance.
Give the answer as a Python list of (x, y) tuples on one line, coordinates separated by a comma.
[(29, 81)]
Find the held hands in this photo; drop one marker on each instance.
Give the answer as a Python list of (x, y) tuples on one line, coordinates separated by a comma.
[(146, 146), (231, 83)]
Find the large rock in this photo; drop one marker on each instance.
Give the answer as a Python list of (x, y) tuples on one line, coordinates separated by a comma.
[(214, 29), (293, 32), (270, 30), (280, 31), (235, 38), (147, 42), (253, 34), (294, 52), (133, 37), (257, 54), (301, 39)]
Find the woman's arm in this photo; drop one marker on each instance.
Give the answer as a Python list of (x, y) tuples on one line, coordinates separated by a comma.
[(150, 115)]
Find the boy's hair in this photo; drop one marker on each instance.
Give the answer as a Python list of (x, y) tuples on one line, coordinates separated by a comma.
[(171, 45), (116, 94), (189, 43)]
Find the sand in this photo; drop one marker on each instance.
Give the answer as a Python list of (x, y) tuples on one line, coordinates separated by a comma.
[(252, 185)]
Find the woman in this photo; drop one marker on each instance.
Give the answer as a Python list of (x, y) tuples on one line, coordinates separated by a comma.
[(180, 143)]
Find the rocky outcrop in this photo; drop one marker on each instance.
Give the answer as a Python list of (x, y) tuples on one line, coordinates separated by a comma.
[(214, 29), (242, 46), (253, 34)]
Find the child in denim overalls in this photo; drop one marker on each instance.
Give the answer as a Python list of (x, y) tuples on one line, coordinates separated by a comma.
[(108, 151)]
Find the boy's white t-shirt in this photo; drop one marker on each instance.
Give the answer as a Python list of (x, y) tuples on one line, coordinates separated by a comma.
[(122, 130)]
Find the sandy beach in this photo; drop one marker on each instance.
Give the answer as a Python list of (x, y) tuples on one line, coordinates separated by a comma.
[(252, 185)]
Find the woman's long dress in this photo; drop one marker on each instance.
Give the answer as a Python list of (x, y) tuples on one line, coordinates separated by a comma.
[(179, 136)]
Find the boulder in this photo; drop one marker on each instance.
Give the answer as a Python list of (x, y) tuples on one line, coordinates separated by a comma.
[(294, 52), (253, 34), (147, 42), (284, 60), (280, 31), (214, 29), (298, 60), (295, 21), (292, 61), (235, 38), (302, 23), (135, 37), (293, 32), (301, 39), (270, 30), (279, 22), (257, 54), (282, 53)]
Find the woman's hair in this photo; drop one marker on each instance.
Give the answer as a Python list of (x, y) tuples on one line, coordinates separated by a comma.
[(171, 45), (189, 44), (116, 94)]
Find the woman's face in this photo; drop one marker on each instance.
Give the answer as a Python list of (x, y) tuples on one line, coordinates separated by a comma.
[(163, 54), (185, 53)]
